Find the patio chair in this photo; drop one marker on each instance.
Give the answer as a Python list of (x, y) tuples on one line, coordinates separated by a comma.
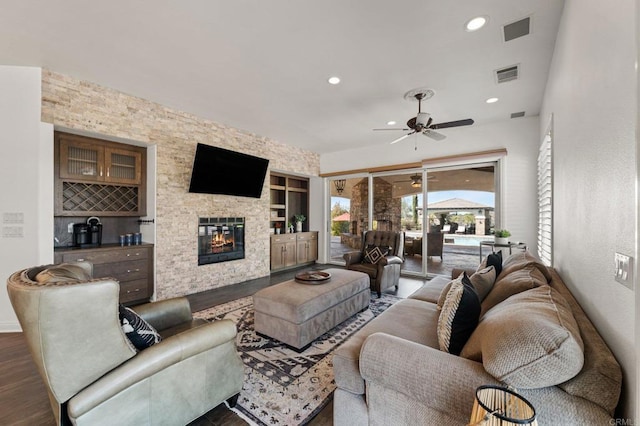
[(461, 229), (435, 244)]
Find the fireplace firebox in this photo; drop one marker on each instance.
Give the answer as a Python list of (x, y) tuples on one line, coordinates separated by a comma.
[(220, 239)]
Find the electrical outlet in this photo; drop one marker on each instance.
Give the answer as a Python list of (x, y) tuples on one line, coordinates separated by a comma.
[(70, 228), (624, 269)]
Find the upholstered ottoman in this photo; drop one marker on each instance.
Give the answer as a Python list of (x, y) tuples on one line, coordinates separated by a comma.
[(298, 313)]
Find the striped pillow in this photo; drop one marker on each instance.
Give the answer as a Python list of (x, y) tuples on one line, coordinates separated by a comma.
[(459, 315)]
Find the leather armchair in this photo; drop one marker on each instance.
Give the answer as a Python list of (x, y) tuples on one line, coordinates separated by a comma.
[(386, 273), (93, 374)]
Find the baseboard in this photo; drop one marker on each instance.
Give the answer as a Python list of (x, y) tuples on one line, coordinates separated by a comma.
[(10, 327)]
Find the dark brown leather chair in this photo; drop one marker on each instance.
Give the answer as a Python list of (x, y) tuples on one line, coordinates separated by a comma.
[(386, 272)]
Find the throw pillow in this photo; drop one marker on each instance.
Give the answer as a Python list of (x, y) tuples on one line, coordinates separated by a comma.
[(459, 316), (530, 340), (483, 281), (139, 332), (495, 260), (373, 254), (64, 272), (513, 283)]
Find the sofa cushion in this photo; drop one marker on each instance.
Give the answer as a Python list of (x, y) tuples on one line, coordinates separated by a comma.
[(521, 260), (431, 290), (408, 319), (459, 315), (373, 254), (139, 332), (515, 282), (530, 340), (483, 281)]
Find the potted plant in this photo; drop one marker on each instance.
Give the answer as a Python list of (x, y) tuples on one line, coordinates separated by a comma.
[(299, 218), (290, 227), (502, 236), (278, 226)]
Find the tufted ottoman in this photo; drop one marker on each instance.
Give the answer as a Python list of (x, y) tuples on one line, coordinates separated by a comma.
[(296, 314)]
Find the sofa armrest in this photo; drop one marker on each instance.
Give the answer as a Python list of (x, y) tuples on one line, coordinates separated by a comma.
[(165, 313), (455, 272), (152, 360), (352, 257), (436, 379)]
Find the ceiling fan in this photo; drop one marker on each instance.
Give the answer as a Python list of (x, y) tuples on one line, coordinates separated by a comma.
[(423, 123), (416, 180)]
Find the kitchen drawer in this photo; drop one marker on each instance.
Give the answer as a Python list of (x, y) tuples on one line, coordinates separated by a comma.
[(134, 290), (97, 256), (123, 271)]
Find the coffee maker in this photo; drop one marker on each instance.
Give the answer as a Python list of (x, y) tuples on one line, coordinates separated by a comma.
[(88, 234)]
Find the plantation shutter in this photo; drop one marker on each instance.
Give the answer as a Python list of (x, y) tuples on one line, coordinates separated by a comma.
[(545, 201)]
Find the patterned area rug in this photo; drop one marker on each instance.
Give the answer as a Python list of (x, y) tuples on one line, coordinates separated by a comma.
[(281, 386)]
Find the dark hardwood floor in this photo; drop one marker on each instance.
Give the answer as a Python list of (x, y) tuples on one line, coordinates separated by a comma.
[(23, 397)]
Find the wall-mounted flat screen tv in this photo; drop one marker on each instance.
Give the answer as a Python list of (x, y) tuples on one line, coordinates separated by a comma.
[(220, 171)]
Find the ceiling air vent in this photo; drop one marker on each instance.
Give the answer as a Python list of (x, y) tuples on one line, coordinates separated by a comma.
[(507, 74), (516, 29), (517, 114)]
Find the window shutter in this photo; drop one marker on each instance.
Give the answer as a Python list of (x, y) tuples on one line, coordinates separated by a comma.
[(545, 201)]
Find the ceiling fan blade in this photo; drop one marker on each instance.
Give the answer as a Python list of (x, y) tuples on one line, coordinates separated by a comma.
[(402, 137), (434, 135), (456, 123), (395, 128)]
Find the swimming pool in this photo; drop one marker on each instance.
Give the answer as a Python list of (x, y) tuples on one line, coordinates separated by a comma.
[(466, 240)]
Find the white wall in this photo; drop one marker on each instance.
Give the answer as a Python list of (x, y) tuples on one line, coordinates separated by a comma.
[(519, 136), (26, 187), (591, 92)]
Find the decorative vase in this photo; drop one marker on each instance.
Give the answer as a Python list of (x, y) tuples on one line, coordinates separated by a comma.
[(502, 240), (277, 230), (298, 226)]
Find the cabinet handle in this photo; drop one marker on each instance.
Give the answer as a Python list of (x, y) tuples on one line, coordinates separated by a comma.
[(80, 260), (108, 170), (135, 291), (132, 270), (135, 254), (100, 171)]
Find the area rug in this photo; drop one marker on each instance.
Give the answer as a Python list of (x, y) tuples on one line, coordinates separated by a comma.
[(281, 386)]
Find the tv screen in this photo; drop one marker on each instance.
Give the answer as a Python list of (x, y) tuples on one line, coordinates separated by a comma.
[(220, 171)]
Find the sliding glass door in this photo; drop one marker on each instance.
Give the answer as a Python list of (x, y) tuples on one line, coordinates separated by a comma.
[(349, 215)]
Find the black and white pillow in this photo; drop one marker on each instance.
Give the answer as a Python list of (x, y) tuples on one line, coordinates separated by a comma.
[(459, 316), (139, 332), (373, 254)]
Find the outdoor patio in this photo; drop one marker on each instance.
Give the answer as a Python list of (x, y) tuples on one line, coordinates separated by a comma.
[(454, 256)]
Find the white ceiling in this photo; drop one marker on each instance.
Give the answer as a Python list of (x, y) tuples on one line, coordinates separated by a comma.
[(262, 66)]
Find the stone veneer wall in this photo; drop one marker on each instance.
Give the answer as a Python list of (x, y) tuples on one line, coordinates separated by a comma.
[(81, 105)]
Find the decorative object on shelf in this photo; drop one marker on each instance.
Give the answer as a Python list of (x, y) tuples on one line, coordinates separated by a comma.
[(278, 226), (502, 236), (290, 227), (500, 406), (340, 184), (299, 218)]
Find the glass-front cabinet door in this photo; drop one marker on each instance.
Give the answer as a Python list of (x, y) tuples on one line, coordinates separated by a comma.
[(81, 160), (123, 166)]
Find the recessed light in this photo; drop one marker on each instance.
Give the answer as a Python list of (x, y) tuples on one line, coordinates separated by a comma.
[(491, 100), (391, 123), (476, 23), (334, 80)]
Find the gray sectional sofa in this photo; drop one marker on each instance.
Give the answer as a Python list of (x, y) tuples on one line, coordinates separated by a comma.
[(532, 335)]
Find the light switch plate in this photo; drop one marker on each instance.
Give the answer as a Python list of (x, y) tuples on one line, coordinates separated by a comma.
[(624, 269)]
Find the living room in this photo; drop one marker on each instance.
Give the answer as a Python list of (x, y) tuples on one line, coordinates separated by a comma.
[(590, 91)]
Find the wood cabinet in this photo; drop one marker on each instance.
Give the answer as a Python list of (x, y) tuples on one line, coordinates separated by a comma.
[(98, 177), (291, 250), (307, 247), (132, 266), (289, 196)]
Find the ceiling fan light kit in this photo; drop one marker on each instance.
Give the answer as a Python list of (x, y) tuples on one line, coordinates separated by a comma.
[(423, 122)]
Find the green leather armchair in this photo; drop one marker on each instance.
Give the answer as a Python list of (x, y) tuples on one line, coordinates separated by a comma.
[(95, 377)]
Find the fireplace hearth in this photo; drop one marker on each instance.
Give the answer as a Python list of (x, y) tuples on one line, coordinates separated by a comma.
[(220, 239)]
